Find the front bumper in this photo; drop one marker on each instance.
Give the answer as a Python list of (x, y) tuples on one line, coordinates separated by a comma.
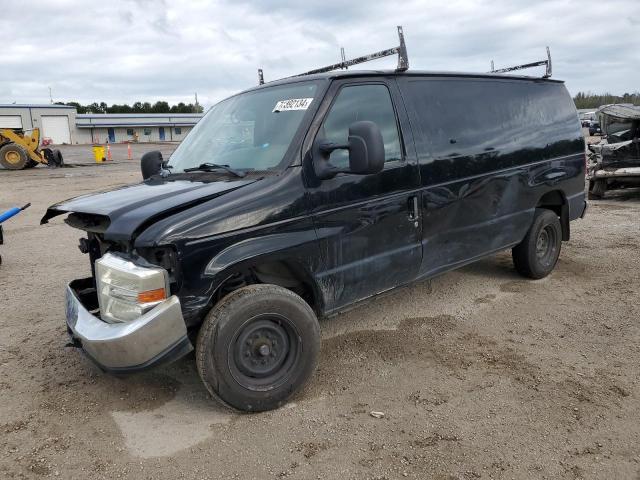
[(158, 336)]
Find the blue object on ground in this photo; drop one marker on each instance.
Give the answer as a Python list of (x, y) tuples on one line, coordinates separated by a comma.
[(12, 212)]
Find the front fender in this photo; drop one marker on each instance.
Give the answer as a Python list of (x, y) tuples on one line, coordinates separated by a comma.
[(206, 264), (250, 250)]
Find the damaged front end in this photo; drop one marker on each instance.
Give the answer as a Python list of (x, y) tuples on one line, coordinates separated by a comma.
[(126, 316), (123, 318)]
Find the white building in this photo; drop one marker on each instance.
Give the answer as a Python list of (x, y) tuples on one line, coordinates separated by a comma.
[(63, 125), (131, 127), (57, 122)]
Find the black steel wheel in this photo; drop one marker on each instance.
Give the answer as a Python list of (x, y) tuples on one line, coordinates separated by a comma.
[(546, 246), (257, 347), (264, 351), (536, 256)]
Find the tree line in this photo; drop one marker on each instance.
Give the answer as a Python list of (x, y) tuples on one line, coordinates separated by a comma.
[(593, 100), (582, 100), (137, 107)]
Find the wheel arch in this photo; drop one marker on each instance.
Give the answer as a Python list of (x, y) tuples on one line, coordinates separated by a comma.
[(287, 259), (556, 200), (288, 273)]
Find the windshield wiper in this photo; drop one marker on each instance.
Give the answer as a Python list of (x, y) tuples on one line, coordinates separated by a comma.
[(208, 167)]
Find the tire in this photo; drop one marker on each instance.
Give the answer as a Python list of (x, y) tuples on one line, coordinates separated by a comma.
[(31, 163), (13, 156), (597, 189), (56, 159), (536, 256), (235, 352)]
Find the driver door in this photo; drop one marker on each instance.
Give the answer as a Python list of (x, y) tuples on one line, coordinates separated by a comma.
[(368, 226)]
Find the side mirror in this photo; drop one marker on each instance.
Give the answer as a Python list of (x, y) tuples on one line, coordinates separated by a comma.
[(151, 164), (366, 152)]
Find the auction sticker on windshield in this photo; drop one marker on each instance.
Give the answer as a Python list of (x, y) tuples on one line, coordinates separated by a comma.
[(292, 104)]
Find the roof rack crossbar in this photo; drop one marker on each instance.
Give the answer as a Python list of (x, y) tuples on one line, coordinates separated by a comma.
[(546, 62), (400, 50)]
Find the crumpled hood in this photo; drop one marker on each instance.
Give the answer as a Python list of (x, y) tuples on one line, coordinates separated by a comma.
[(610, 147), (128, 208)]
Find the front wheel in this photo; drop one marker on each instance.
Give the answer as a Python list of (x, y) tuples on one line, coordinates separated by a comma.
[(257, 347), (13, 156), (536, 256)]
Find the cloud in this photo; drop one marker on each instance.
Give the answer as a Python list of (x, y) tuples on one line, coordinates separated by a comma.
[(129, 50)]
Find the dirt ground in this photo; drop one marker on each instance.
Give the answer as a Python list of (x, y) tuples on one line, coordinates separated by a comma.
[(479, 373)]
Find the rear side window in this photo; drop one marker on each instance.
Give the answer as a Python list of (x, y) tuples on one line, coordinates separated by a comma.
[(361, 102), (473, 126)]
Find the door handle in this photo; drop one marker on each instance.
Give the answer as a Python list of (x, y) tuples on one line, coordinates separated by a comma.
[(414, 209)]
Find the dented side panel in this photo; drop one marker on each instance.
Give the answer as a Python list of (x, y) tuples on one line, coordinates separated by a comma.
[(489, 150)]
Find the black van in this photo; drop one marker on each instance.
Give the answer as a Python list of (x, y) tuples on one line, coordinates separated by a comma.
[(295, 199)]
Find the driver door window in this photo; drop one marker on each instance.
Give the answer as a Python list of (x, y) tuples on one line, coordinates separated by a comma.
[(362, 102)]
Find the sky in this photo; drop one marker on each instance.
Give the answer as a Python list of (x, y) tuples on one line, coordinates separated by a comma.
[(122, 51)]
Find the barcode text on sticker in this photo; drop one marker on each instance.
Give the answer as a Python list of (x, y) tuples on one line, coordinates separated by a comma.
[(292, 104)]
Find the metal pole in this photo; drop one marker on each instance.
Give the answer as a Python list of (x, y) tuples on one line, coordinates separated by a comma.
[(546, 63), (403, 57), (548, 72)]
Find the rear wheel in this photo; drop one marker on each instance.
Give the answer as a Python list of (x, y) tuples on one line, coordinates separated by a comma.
[(56, 159), (536, 256), (257, 347), (13, 156)]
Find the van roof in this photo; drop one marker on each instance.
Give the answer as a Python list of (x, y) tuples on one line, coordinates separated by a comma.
[(408, 73)]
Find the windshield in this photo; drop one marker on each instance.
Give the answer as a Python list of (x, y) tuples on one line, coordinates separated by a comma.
[(250, 131)]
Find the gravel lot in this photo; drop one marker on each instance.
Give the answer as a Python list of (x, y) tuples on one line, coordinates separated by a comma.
[(479, 373)]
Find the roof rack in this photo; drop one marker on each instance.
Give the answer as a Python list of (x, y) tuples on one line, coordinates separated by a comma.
[(401, 50), (546, 62)]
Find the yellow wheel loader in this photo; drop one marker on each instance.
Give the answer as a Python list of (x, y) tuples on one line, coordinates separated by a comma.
[(19, 150)]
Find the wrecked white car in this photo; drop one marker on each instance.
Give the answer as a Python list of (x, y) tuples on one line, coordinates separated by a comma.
[(615, 161)]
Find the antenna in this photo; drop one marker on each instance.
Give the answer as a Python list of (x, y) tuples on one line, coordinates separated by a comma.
[(260, 77), (342, 57), (400, 50), (50, 97), (546, 62)]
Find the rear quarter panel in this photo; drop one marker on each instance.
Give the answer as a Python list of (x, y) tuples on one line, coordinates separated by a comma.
[(489, 149)]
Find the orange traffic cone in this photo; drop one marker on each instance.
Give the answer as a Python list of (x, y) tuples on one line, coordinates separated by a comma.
[(129, 156), (109, 152)]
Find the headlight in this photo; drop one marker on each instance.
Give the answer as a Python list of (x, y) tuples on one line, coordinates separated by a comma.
[(126, 290)]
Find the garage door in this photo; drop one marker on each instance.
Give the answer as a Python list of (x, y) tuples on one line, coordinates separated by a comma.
[(56, 127), (10, 121)]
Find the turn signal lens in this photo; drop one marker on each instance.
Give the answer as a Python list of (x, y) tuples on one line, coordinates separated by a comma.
[(150, 296)]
